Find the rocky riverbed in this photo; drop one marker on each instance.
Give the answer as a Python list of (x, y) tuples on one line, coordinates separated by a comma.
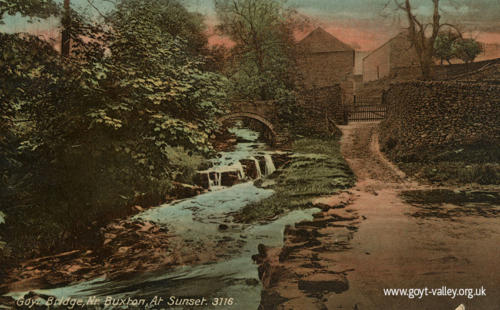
[(190, 247)]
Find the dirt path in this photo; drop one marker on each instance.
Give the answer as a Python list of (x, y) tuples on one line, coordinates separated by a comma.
[(369, 239), (360, 149)]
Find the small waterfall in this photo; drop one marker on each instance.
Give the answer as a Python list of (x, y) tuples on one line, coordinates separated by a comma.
[(230, 168), (270, 168), (257, 167), (241, 171), (219, 178), (214, 179), (212, 182), (215, 175)]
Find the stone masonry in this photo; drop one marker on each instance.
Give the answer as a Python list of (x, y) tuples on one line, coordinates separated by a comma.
[(429, 116)]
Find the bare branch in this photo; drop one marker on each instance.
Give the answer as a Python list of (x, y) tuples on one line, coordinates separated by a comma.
[(459, 32), (91, 3)]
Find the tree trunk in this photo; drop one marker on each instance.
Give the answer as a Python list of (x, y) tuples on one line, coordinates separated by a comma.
[(424, 46), (66, 24), (426, 72), (425, 67)]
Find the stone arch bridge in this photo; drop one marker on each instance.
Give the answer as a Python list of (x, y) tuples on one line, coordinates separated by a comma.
[(264, 112), (322, 109)]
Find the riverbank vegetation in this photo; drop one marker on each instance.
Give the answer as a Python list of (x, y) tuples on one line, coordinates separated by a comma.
[(85, 137), (127, 111), (263, 60), (316, 169)]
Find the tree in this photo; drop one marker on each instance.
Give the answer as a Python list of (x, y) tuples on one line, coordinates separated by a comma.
[(217, 58), (15, 75), (423, 35), (28, 71), (66, 31), (467, 49), (129, 112), (172, 17), (29, 8), (263, 59), (443, 46)]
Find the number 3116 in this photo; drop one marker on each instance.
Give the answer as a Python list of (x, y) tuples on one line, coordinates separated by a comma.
[(222, 301)]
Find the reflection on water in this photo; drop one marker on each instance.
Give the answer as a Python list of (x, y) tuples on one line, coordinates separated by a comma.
[(452, 204)]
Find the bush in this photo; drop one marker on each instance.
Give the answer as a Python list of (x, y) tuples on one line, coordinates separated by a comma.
[(114, 125)]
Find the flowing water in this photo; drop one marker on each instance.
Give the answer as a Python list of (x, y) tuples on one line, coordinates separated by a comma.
[(234, 279)]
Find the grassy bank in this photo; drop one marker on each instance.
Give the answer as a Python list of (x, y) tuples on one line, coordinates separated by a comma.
[(317, 168)]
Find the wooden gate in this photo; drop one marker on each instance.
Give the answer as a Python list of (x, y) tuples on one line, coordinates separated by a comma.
[(371, 112)]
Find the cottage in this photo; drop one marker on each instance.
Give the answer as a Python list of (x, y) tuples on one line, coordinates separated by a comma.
[(325, 60), (396, 53)]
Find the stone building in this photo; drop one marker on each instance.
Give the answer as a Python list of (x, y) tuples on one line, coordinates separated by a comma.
[(384, 61), (325, 60)]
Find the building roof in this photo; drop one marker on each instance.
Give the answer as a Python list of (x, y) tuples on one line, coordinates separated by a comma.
[(401, 35), (320, 41)]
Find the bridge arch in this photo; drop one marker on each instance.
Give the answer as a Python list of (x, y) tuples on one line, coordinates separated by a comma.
[(254, 116)]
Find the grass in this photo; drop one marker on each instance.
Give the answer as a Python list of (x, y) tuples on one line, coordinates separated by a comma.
[(317, 168)]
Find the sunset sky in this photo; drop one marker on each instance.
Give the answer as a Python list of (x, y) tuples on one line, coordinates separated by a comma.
[(364, 24)]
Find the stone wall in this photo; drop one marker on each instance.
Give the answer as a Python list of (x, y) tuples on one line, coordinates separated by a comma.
[(323, 106), (463, 70), (424, 117), (487, 73), (484, 70), (320, 110), (438, 72)]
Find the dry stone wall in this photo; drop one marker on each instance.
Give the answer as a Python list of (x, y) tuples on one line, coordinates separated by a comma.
[(324, 103), (425, 117), (438, 72), (321, 109)]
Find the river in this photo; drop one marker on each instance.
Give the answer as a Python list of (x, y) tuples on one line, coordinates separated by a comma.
[(233, 279)]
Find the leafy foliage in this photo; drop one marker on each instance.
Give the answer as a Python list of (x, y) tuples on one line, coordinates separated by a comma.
[(449, 45), (443, 46), (263, 55), (31, 8), (89, 135), (171, 17), (467, 49)]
